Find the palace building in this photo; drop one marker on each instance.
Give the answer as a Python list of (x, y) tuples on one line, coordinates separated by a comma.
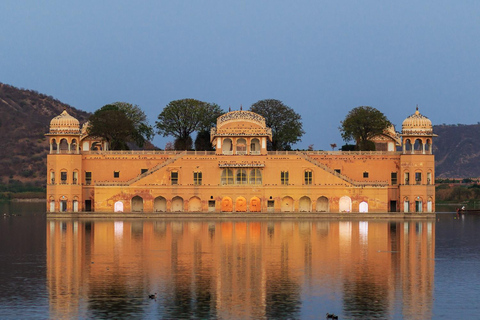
[(241, 175)]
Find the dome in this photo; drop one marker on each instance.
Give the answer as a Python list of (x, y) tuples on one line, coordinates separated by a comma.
[(417, 124), (64, 123)]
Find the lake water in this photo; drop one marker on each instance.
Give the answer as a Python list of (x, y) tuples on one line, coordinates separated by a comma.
[(237, 269)]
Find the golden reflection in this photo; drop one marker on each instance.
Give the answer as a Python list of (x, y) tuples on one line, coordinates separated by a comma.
[(239, 269)]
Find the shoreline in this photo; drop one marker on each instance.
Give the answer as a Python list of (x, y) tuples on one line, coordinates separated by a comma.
[(242, 215)]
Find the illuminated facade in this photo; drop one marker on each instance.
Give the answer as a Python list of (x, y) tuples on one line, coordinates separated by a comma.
[(240, 175)]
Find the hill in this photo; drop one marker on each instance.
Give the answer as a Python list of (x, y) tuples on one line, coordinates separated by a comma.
[(457, 151), (24, 119)]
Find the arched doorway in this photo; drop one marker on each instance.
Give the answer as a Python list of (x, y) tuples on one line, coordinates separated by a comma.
[(177, 204), (227, 204), (240, 204), (322, 204), (118, 207), (137, 204), (160, 204), (194, 205), (287, 204), (305, 204), (255, 205), (363, 207), (345, 204)]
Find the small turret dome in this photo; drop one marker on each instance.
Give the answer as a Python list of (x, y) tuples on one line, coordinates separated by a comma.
[(64, 123), (417, 124)]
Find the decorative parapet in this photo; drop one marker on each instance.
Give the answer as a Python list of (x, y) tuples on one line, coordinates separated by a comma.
[(241, 115)]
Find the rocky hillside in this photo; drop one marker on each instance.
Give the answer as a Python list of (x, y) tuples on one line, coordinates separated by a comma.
[(457, 151), (24, 119)]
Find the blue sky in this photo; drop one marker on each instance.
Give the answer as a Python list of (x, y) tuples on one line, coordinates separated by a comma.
[(321, 58)]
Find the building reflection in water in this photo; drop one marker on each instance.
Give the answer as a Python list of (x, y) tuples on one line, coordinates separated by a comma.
[(240, 269)]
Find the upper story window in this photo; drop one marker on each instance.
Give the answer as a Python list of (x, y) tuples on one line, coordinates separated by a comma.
[(241, 146), (418, 178), (338, 171), (255, 176), (284, 177), (75, 177), (241, 176), (63, 177), (88, 178), (116, 174), (365, 174), (308, 177), (407, 178), (52, 177), (174, 177), (255, 146), (197, 178), (227, 146), (393, 178), (142, 171), (429, 178), (227, 176)]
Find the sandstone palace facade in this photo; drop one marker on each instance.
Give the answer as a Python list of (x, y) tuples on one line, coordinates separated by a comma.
[(241, 175)]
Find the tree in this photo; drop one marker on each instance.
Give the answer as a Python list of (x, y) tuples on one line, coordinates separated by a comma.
[(113, 125), (143, 131), (180, 118), (285, 123), (361, 124)]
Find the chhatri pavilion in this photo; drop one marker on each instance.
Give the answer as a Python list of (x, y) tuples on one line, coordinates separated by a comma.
[(240, 175)]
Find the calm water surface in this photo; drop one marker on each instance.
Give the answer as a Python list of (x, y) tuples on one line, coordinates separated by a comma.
[(237, 269)]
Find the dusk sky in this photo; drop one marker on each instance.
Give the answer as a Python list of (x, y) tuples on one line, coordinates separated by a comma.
[(321, 58)]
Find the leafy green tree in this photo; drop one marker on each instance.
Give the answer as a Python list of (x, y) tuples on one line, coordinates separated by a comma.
[(361, 124), (143, 131), (285, 123), (120, 123), (180, 118)]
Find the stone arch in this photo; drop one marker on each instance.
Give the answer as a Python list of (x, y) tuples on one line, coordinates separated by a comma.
[(63, 147), (74, 145), (241, 146), (227, 204), (177, 204), (305, 204), (240, 204), (53, 145), (137, 204), (363, 207), (118, 206), (418, 146), (63, 204), (227, 146), (255, 146), (408, 146), (322, 204), (160, 204), (52, 204), (255, 204), (194, 204), (418, 204), (345, 204), (287, 204)]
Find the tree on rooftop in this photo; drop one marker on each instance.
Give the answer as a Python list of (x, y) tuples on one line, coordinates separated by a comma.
[(285, 123), (361, 124), (180, 118), (120, 123)]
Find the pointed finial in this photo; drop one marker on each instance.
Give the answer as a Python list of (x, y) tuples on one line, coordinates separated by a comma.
[(241, 107), (229, 109), (417, 107)]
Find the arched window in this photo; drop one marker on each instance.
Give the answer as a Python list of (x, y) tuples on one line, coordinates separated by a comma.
[(73, 146), (177, 204), (75, 177), (63, 176), (53, 146), (408, 146), (227, 146), (255, 176), (52, 177), (305, 204), (241, 146), (418, 147), (226, 177), (137, 204), (322, 204), (255, 146), (160, 204), (418, 177), (63, 145), (241, 176)]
